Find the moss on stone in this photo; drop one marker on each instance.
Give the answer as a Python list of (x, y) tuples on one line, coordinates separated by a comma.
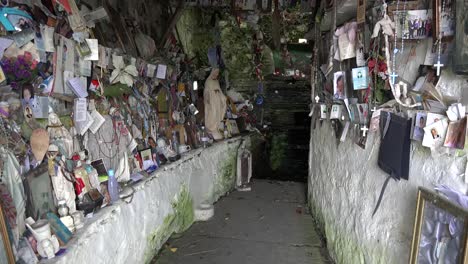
[(344, 248), (225, 181), (278, 150), (179, 221)]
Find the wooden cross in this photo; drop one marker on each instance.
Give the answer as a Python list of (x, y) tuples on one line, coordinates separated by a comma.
[(438, 65), (393, 75), (364, 130)]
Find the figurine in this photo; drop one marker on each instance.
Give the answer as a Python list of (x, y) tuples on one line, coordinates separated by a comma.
[(215, 104), (59, 135)]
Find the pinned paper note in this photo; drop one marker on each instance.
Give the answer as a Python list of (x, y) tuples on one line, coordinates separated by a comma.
[(78, 86), (151, 70), (94, 47), (4, 44), (162, 69), (98, 120), (48, 38), (40, 107), (80, 110)]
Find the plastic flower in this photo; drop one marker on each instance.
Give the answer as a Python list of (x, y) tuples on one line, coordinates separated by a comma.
[(122, 73)]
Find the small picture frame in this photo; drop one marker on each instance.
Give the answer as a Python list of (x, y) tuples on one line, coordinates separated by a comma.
[(430, 209), (10, 258), (444, 22), (146, 154), (234, 128)]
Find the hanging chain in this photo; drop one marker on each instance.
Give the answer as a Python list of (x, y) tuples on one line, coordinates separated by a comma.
[(440, 30)]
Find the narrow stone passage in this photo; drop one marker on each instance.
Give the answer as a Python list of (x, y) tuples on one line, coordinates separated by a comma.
[(267, 225)]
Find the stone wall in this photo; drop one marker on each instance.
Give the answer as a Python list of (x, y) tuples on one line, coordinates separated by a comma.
[(345, 182), (162, 204)]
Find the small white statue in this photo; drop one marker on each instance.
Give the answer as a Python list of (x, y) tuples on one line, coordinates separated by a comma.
[(215, 104)]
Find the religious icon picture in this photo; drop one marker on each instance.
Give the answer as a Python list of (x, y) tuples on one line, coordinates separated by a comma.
[(440, 227), (419, 124), (339, 90), (413, 24), (360, 78), (456, 134)]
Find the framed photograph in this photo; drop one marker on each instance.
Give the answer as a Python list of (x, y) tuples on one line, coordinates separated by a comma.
[(339, 89), (146, 154), (460, 58), (361, 12), (444, 22), (10, 258), (414, 24), (440, 230), (456, 134)]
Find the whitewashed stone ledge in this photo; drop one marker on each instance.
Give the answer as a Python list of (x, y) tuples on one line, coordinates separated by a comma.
[(162, 204), (344, 184)]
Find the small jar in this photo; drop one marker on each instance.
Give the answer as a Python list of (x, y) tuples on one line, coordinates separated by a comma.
[(62, 208)]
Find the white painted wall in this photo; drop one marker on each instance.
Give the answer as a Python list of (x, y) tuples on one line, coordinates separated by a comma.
[(119, 233), (345, 182)]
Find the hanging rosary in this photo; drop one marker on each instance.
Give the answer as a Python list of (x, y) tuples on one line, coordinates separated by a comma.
[(395, 50), (439, 38)]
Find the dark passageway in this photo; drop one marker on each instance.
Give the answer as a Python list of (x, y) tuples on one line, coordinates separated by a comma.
[(267, 225)]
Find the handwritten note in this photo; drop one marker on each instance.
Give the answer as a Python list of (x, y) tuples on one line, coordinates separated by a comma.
[(151, 70), (80, 109), (98, 120), (94, 47), (162, 69), (78, 86)]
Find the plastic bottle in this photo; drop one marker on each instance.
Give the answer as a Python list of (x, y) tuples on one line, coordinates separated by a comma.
[(175, 142), (204, 137), (113, 186)]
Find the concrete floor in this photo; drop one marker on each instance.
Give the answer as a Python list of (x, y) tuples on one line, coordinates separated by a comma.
[(267, 225)]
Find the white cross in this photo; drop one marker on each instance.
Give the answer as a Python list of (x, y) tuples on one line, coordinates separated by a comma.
[(393, 75), (438, 65), (374, 109), (364, 130)]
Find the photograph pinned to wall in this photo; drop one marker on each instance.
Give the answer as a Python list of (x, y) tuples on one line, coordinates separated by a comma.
[(323, 111), (434, 135), (360, 78), (363, 112), (336, 111), (419, 124), (432, 54), (339, 88), (360, 47), (456, 134), (413, 24)]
